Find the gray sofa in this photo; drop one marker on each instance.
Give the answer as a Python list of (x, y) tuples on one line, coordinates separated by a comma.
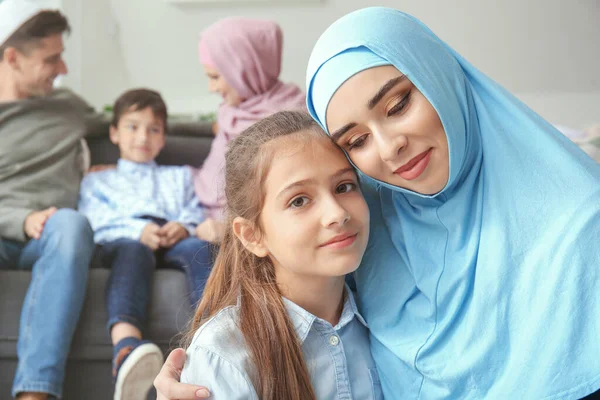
[(88, 373)]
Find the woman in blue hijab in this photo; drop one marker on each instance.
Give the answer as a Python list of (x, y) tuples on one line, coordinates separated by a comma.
[(482, 278)]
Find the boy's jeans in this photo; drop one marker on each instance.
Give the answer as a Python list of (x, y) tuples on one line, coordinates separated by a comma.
[(132, 266), (59, 261)]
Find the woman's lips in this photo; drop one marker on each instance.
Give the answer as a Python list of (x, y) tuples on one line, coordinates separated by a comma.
[(415, 167)]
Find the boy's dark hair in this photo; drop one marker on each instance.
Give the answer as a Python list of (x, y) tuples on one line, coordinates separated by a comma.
[(139, 99), (41, 25)]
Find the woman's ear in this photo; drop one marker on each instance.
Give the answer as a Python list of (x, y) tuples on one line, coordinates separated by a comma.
[(248, 233)]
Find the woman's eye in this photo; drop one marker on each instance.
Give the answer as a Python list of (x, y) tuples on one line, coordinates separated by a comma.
[(345, 187), (299, 202), (400, 105), (357, 143), (132, 127)]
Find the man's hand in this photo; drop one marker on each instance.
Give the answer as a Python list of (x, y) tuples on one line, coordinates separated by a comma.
[(172, 232), (34, 222), (167, 382), (211, 230), (151, 236)]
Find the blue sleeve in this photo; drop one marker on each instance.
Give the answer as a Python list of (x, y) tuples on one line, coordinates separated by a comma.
[(108, 224), (191, 213), (223, 379)]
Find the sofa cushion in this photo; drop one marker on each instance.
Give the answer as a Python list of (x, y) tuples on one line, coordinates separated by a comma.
[(168, 315)]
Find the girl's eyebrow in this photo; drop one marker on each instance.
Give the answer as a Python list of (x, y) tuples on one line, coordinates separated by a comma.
[(342, 172), (310, 180), (295, 185)]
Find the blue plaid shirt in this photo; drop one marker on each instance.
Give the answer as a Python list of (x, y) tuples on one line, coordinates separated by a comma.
[(119, 201)]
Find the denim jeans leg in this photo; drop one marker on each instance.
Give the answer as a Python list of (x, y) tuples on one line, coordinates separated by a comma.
[(195, 257), (60, 262), (128, 289)]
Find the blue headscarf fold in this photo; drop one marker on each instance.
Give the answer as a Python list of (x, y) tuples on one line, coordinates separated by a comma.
[(491, 287)]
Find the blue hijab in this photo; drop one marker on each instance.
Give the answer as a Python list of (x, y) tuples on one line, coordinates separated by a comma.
[(491, 287)]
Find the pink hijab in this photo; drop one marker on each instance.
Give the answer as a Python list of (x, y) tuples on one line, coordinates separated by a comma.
[(247, 52)]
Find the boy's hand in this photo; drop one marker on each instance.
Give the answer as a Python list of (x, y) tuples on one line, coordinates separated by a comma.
[(167, 382), (35, 221), (151, 236), (211, 230), (171, 233)]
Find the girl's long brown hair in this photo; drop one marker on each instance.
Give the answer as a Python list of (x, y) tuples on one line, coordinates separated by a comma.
[(280, 372)]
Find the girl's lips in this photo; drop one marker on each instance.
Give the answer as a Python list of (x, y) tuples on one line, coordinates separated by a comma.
[(415, 167), (340, 242)]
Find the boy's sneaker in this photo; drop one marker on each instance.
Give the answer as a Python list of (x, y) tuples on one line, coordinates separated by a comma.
[(135, 365)]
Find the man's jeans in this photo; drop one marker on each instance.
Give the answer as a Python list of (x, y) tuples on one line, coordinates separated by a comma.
[(132, 266), (59, 261)]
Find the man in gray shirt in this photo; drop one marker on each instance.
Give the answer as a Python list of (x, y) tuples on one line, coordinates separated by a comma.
[(40, 172)]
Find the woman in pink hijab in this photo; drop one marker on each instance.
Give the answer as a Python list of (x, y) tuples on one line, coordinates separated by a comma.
[(242, 59)]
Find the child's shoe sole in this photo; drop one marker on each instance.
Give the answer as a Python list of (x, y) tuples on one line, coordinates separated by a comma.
[(137, 373)]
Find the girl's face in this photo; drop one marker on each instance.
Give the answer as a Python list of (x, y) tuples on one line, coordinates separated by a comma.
[(217, 84), (315, 221), (390, 130)]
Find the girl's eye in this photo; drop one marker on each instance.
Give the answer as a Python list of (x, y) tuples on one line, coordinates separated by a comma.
[(345, 187), (400, 105), (131, 127), (357, 143), (155, 130), (299, 202)]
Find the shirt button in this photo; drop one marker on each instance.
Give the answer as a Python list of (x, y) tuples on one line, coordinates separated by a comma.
[(334, 340)]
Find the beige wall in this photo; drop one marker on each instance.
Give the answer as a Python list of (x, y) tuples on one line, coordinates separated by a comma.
[(545, 51)]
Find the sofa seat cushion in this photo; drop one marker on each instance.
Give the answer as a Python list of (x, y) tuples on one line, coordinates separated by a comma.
[(168, 315)]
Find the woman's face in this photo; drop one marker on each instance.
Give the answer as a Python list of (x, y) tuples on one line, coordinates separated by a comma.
[(217, 84), (390, 130)]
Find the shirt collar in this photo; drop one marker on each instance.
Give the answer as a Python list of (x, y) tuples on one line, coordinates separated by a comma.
[(134, 167), (303, 320)]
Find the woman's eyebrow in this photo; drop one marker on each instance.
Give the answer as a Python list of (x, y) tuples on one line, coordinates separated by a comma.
[(335, 136), (389, 85)]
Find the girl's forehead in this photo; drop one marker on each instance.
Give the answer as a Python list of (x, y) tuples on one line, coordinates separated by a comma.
[(312, 159), (303, 143)]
